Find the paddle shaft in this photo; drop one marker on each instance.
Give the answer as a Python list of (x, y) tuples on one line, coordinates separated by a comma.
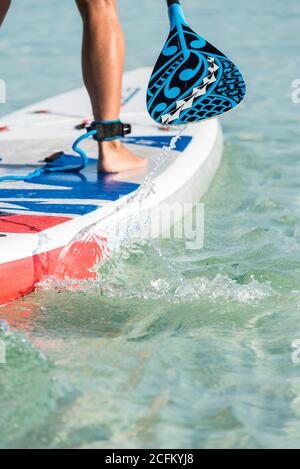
[(171, 2)]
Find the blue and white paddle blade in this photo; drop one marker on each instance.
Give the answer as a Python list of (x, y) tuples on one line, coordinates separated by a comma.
[(192, 80)]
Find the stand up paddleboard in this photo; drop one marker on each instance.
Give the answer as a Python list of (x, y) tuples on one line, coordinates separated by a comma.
[(40, 217)]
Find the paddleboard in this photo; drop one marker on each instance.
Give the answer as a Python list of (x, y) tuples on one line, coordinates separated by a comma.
[(41, 220)]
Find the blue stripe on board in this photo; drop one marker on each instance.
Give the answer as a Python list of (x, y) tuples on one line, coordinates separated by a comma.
[(48, 207), (87, 185), (160, 141)]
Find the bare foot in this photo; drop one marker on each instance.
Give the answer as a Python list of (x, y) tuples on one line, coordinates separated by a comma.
[(114, 157)]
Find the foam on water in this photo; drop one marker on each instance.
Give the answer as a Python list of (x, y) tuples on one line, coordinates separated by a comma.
[(140, 270)]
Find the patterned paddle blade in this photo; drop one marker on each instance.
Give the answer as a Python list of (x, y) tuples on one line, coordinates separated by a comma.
[(192, 80)]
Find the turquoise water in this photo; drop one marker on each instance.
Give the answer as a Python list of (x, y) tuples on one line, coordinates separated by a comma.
[(177, 348)]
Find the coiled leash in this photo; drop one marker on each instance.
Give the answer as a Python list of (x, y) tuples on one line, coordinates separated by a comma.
[(101, 131)]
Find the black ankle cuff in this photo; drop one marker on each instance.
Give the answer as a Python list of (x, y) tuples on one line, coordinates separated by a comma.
[(106, 131)]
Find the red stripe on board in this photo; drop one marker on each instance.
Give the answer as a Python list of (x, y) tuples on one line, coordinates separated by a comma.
[(28, 223), (19, 278)]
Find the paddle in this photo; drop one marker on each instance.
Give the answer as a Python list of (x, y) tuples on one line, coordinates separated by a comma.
[(192, 80)]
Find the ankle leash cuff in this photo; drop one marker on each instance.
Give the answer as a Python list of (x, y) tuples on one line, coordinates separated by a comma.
[(106, 131)]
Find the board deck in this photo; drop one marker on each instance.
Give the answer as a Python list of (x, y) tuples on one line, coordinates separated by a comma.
[(38, 219)]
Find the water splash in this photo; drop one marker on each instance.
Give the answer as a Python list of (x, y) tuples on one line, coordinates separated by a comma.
[(98, 240), (141, 271), (138, 269), (223, 287), (148, 186)]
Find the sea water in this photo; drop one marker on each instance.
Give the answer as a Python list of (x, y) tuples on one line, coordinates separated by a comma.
[(174, 348)]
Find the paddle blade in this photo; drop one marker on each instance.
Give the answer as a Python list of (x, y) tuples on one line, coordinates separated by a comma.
[(192, 80)]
